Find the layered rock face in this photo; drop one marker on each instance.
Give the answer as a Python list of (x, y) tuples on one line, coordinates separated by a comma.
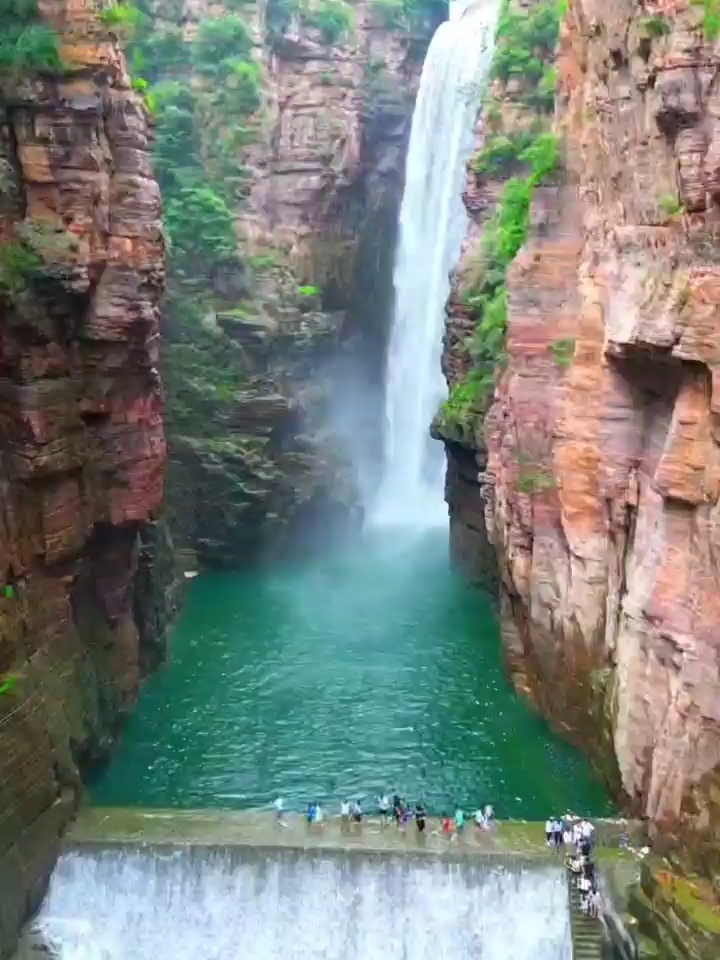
[(81, 273), (610, 596), (601, 481), (512, 127), (269, 367)]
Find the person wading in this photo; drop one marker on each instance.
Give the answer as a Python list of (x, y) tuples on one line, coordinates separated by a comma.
[(420, 815)]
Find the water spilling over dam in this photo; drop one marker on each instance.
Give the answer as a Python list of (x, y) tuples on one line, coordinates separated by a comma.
[(205, 904)]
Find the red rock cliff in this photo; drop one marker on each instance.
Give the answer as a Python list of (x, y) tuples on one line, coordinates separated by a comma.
[(611, 590), (81, 273)]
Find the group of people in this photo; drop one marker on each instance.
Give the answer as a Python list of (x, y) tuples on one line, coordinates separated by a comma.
[(484, 819), (568, 832), (578, 838), (399, 810)]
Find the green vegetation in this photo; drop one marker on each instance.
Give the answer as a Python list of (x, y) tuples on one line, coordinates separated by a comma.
[(123, 18), (200, 228), (39, 248), (336, 18), (8, 683), (524, 50), (670, 205), (333, 18), (492, 115), (534, 479), (27, 46), (218, 40), (542, 97), (262, 262), (468, 400), (656, 25), (563, 351), (207, 97), (18, 265), (525, 42), (711, 19), (410, 15), (543, 155), (501, 152), (201, 131)]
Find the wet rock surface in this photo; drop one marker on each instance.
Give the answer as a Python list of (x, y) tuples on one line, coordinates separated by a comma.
[(597, 456), (610, 586), (83, 451), (610, 589), (268, 452)]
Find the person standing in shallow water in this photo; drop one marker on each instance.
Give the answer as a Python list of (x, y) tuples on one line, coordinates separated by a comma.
[(420, 815)]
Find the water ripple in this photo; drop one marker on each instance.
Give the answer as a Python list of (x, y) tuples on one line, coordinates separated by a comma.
[(373, 670)]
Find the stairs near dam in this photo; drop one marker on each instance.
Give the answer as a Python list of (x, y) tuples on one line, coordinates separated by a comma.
[(586, 932)]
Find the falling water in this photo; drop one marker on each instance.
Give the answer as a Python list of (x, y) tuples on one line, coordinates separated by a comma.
[(192, 905), (433, 223)]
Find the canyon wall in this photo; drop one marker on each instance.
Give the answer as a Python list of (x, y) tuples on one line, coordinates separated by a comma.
[(595, 452), (82, 614), (278, 144), (290, 155), (610, 596)]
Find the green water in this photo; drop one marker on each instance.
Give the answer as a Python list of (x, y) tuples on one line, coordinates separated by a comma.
[(374, 669)]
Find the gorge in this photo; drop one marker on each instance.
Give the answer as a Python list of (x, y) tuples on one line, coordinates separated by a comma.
[(316, 656)]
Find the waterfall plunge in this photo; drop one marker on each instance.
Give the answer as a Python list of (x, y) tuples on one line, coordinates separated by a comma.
[(433, 223), (246, 905)]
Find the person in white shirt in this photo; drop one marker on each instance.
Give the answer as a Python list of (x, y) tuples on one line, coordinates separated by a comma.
[(576, 833), (548, 832), (279, 808), (344, 816)]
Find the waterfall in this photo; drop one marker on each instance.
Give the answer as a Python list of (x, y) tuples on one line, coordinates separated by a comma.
[(433, 223), (246, 905)]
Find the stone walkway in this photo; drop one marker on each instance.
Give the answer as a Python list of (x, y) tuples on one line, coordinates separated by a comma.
[(125, 825), (586, 931)]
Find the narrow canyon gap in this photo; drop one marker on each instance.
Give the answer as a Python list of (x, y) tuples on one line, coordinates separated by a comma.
[(314, 715), (308, 316)]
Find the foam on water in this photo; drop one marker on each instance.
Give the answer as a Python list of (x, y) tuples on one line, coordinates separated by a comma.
[(149, 905)]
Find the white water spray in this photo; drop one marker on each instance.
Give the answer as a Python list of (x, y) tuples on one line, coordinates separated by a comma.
[(232, 905), (433, 223)]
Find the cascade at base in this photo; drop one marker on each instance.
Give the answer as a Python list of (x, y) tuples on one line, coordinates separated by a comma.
[(193, 905)]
